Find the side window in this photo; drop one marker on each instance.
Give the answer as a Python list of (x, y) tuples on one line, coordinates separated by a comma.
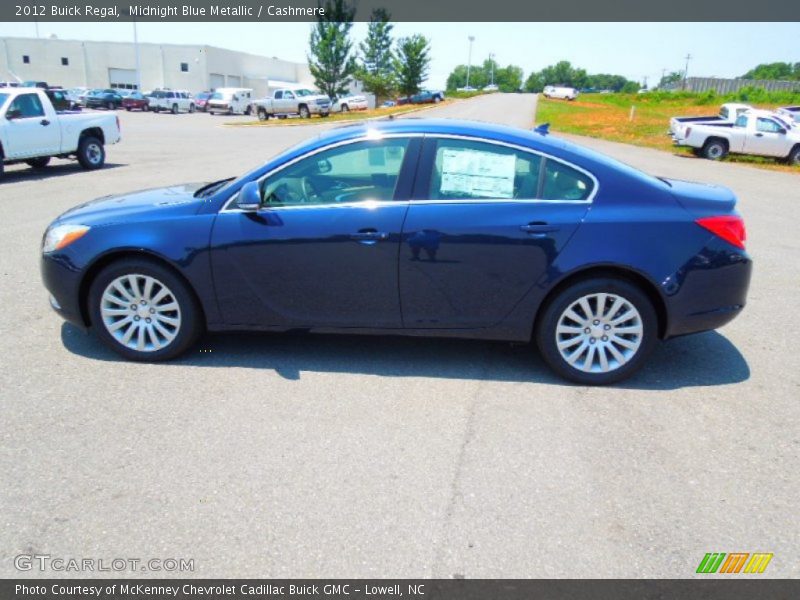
[(724, 112), (289, 96), (562, 182), (356, 172), (767, 125), (741, 121), (467, 170), (28, 106), (278, 95)]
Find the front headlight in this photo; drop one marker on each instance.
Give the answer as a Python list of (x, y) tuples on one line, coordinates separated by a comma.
[(61, 236)]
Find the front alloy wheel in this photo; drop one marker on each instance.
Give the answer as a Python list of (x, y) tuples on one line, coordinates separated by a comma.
[(143, 311), (597, 331)]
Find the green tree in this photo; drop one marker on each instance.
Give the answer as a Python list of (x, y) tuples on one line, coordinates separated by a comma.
[(377, 57), (330, 62), (776, 70), (535, 82), (631, 87), (412, 63), (670, 80), (508, 79)]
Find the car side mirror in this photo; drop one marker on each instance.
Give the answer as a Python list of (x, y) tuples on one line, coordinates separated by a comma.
[(782, 131), (13, 113), (249, 197)]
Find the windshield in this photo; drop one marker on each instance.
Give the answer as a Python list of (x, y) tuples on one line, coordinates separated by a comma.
[(3, 98), (216, 96), (302, 93)]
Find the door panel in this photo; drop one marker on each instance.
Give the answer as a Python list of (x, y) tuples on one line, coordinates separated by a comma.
[(486, 224), (323, 250), (32, 133)]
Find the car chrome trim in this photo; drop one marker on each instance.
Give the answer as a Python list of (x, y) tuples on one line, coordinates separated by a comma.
[(369, 136)]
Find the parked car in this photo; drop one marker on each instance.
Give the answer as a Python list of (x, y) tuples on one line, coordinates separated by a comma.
[(60, 99), (389, 103), (756, 132), (136, 101), (230, 101), (427, 97), (7, 84), (74, 94), (201, 100), (31, 131), (35, 84), (109, 99), (560, 92), (172, 101), (467, 88), (728, 113), (349, 103), (491, 88), (82, 96), (413, 227), (300, 102), (790, 112)]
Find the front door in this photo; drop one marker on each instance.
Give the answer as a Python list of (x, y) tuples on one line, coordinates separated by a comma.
[(30, 133), (486, 223), (769, 139), (322, 252)]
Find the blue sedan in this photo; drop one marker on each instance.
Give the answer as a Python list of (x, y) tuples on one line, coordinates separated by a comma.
[(411, 227)]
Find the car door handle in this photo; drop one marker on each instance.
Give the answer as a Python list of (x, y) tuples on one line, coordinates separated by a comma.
[(759, 135), (44, 122), (368, 237), (538, 228)]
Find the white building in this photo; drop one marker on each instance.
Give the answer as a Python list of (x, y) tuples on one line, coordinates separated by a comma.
[(75, 63)]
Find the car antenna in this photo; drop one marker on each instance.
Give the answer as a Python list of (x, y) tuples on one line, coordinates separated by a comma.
[(543, 129)]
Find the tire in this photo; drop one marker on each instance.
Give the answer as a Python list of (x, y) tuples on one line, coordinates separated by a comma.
[(192, 108), (177, 318), (146, 108), (621, 361), (211, 112), (345, 108), (248, 111), (436, 99), (304, 112), (715, 149), (794, 156), (262, 115), (174, 109), (128, 108), (91, 154), (110, 106), (39, 162)]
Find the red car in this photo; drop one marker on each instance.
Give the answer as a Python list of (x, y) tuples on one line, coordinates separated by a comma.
[(136, 101), (201, 100)]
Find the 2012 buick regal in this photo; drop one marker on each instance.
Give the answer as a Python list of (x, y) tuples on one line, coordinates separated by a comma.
[(412, 227)]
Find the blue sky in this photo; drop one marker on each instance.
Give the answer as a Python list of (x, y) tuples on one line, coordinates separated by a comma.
[(634, 50)]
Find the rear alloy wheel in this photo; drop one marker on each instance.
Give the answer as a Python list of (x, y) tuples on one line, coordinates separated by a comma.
[(304, 114), (110, 106), (598, 331), (345, 108), (715, 149), (91, 154), (192, 108), (39, 163), (143, 311), (174, 110), (262, 115)]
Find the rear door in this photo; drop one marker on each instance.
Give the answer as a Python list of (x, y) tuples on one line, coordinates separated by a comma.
[(485, 223), (322, 252)]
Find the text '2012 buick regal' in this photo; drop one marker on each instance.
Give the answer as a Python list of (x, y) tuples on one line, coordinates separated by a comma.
[(412, 227)]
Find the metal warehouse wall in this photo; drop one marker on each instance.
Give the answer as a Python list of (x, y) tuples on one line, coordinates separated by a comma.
[(726, 86), (90, 64)]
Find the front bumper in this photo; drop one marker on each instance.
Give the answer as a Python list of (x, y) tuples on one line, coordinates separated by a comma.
[(63, 280)]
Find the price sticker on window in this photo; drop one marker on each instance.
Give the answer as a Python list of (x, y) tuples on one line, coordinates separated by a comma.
[(477, 174)]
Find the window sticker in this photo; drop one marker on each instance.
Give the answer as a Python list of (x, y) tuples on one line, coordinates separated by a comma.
[(477, 174)]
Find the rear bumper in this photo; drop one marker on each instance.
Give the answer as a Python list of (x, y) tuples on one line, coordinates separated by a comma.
[(709, 291)]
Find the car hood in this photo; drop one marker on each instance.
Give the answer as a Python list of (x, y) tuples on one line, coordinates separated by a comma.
[(178, 199)]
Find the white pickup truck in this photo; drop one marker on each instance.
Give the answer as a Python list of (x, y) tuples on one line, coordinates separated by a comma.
[(292, 102), (31, 131), (756, 132), (728, 113)]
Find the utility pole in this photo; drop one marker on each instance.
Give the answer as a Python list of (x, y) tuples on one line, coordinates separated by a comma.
[(663, 74), (686, 71), (491, 65), (469, 59), (645, 82)]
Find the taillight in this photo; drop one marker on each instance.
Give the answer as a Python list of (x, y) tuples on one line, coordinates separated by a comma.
[(729, 227)]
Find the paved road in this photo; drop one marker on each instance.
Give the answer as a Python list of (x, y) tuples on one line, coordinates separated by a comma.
[(321, 456)]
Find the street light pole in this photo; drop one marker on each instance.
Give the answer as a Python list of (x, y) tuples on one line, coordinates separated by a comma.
[(136, 51), (469, 59), (491, 65)]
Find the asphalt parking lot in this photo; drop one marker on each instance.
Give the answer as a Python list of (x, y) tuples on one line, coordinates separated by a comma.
[(293, 456)]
